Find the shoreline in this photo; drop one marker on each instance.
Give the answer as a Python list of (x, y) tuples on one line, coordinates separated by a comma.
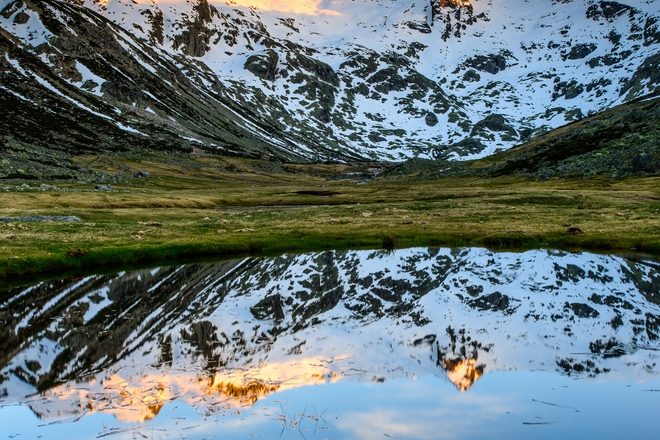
[(109, 260), (176, 214)]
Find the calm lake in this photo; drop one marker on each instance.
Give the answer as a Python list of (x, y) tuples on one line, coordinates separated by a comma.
[(410, 344)]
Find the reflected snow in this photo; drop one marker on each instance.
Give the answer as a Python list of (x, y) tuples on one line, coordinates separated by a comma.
[(416, 343)]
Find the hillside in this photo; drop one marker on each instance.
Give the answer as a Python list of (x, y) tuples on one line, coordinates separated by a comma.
[(622, 141), (310, 80)]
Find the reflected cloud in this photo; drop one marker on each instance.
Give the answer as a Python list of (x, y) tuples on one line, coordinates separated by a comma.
[(443, 418), (361, 425), (139, 397)]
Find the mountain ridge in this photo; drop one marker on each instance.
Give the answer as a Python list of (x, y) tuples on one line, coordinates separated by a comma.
[(391, 86)]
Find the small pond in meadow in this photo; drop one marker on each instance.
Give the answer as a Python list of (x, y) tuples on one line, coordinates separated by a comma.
[(414, 344)]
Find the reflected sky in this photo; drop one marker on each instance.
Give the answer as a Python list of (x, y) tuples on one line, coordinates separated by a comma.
[(416, 343), (502, 405)]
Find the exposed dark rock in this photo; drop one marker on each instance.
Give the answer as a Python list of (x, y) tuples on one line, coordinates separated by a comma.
[(270, 307), (568, 90), (431, 119), (420, 26), (579, 51), (466, 146), (21, 18), (33, 365), (387, 80), (202, 335), (608, 349), (11, 8), (141, 175), (318, 68), (456, 15), (582, 310), (321, 93), (89, 85), (375, 137), (570, 273), (194, 40), (156, 33), (647, 75), (494, 122), (571, 366), (471, 76), (611, 301), (497, 123), (609, 10), (492, 63), (652, 326), (362, 89), (124, 92), (651, 31), (495, 302), (263, 65), (609, 60)]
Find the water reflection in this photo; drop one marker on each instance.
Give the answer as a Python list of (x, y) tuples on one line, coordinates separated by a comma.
[(139, 396), (234, 337)]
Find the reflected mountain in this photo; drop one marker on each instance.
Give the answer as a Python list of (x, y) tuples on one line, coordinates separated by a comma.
[(222, 336), (138, 396)]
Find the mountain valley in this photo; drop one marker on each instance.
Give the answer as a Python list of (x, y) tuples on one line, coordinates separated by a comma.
[(308, 82)]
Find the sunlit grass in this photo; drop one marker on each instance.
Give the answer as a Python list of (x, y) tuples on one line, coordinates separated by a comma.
[(178, 214)]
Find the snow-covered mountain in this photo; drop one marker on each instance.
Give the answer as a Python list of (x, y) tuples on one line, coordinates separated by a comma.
[(317, 79), (225, 335)]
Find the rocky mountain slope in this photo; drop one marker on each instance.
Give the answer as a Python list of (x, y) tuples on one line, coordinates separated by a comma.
[(316, 80), (622, 141), (224, 335)]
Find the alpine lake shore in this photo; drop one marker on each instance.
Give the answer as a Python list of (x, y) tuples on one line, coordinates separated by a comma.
[(185, 207)]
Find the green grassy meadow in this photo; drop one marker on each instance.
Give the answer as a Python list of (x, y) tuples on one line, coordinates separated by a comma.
[(220, 207)]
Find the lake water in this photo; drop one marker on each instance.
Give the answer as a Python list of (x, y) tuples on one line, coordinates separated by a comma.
[(414, 344)]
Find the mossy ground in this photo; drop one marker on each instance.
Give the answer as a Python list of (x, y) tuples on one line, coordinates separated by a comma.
[(206, 207)]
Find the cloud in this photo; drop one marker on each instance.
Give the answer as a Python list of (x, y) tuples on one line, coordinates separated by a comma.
[(303, 7)]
